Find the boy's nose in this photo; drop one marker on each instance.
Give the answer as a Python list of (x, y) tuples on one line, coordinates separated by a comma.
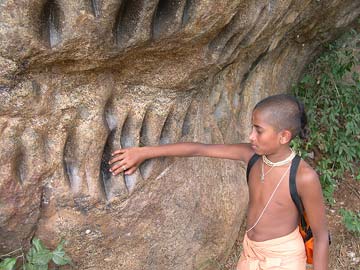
[(251, 136)]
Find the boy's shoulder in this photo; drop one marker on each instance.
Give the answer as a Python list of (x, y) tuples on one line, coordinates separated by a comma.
[(306, 175)]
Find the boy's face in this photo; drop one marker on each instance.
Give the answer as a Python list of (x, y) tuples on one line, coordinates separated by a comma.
[(264, 137)]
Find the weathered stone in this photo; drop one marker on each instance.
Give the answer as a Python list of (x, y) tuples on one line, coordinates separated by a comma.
[(79, 79)]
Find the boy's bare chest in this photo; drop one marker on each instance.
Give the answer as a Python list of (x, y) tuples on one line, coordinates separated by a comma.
[(261, 194), (275, 188)]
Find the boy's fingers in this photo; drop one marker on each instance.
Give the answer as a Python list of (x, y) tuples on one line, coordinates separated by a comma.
[(119, 169), (131, 171), (116, 172), (121, 166), (114, 167), (116, 152), (116, 158)]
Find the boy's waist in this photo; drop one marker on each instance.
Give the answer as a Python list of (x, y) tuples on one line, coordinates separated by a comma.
[(273, 226), (293, 235)]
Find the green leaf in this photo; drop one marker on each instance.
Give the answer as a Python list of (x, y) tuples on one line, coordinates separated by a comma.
[(30, 254), (59, 256), (42, 257), (351, 220), (38, 254), (8, 264), (39, 246), (41, 267), (29, 266), (61, 259)]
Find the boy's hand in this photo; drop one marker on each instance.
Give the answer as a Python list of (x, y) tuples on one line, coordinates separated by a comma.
[(126, 160)]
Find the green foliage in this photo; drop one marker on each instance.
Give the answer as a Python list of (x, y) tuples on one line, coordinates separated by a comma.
[(8, 264), (351, 220), (330, 91), (37, 258)]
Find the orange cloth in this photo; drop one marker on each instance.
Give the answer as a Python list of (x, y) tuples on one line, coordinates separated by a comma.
[(283, 253)]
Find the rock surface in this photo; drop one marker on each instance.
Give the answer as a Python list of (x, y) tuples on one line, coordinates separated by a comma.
[(79, 79)]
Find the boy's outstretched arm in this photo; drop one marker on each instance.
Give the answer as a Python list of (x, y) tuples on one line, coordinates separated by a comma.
[(310, 191), (129, 159)]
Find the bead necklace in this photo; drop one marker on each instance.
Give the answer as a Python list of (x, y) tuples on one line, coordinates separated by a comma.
[(274, 164), (281, 162)]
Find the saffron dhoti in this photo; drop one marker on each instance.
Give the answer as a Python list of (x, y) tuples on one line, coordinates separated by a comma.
[(283, 253)]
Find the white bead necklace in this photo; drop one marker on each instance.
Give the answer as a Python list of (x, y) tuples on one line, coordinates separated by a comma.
[(281, 162), (274, 164)]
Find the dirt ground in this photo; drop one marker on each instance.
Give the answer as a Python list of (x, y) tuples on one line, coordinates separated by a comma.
[(345, 246)]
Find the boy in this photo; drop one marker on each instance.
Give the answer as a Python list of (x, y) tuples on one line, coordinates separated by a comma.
[(272, 239)]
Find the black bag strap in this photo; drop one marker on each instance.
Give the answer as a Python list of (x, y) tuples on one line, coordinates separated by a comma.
[(296, 198), (293, 190), (251, 163)]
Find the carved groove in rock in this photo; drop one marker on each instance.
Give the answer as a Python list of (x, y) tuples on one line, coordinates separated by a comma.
[(165, 133), (134, 22), (172, 130), (51, 23), (233, 44), (119, 27), (229, 31), (187, 11), (105, 174), (253, 66), (168, 17), (221, 108), (151, 130), (95, 7), (237, 33), (20, 167), (113, 186), (126, 139), (130, 135), (148, 137), (258, 26), (110, 188), (187, 125), (71, 166)]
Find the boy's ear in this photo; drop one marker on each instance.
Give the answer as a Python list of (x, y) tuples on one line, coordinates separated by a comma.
[(285, 136)]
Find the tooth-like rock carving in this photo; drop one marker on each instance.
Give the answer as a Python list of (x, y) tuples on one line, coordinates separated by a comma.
[(168, 17), (133, 24), (71, 165), (51, 23), (95, 7), (187, 11)]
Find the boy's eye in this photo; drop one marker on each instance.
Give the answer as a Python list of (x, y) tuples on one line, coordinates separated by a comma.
[(257, 129)]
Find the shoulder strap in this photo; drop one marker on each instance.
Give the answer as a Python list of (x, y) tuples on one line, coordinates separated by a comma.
[(293, 190), (251, 163), (296, 199)]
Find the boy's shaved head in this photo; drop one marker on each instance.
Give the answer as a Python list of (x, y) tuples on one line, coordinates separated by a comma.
[(285, 112)]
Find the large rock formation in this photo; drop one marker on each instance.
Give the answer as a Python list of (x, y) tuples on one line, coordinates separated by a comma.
[(79, 79)]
